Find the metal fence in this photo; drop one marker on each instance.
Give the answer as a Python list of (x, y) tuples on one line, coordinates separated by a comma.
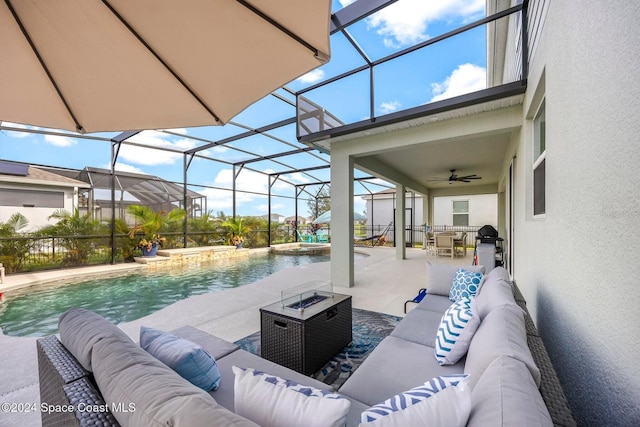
[(28, 253), (33, 253)]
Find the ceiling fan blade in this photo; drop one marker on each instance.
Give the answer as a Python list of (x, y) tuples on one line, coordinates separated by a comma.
[(470, 177)]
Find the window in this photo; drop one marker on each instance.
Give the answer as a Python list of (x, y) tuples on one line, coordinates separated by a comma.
[(460, 212), (539, 145), (31, 198)]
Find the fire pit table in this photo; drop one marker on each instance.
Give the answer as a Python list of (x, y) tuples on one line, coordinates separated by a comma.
[(306, 328)]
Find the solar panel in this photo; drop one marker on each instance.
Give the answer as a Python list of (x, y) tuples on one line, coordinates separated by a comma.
[(10, 168)]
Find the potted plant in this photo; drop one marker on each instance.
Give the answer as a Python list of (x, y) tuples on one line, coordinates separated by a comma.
[(236, 231), (149, 223)]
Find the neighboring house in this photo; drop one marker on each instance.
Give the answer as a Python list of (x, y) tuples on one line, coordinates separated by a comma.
[(465, 210), (277, 218), (299, 219), (555, 136), (35, 193), (130, 188), (88, 190)]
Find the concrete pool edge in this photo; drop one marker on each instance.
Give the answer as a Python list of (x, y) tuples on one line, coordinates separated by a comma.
[(19, 281)]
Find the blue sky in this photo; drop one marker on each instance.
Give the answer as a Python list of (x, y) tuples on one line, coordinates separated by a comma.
[(454, 67)]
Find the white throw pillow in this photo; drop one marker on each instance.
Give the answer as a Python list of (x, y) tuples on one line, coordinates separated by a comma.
[(271, 401), (455, 331), (441, 401)]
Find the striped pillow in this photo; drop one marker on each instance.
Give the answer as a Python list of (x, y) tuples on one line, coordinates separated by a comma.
[(456, 329), (441, 401), (271, 401)]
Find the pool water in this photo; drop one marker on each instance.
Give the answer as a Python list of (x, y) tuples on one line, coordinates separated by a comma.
[(34, 311)]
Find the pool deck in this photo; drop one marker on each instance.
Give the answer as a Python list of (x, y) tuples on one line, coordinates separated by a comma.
[(382, 284)]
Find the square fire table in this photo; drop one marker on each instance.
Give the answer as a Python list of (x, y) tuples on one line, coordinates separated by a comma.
[(305, 330)]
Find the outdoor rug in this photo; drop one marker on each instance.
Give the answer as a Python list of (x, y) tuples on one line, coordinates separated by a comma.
[(369, 328)]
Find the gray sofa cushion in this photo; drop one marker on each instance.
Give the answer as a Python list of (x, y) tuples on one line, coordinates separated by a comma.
[(217, 347), (494, 292), (80, 329), (506, 395), (440, 276), (501, 332), (126, 374), (419, 326), (437, 303), (395, 366)]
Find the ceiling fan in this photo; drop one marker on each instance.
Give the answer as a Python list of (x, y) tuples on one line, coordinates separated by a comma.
[(455, 178)]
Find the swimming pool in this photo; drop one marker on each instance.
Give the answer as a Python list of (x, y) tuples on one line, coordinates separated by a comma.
[(34, 311)]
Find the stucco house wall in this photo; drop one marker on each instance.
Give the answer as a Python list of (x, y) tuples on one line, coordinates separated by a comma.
[(576, 265), (483, 209), (41, 181)]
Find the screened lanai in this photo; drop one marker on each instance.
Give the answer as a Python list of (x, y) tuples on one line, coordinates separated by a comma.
[(275, 156)]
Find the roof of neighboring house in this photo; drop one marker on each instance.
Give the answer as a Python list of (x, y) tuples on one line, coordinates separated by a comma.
[(38, 176)]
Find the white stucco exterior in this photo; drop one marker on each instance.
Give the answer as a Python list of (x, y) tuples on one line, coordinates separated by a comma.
[(483, 209), (575, 264), (39, 181)]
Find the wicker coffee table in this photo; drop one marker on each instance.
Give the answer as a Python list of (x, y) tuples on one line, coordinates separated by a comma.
[(306, 334)]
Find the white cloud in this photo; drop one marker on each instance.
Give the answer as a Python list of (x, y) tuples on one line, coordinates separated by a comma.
[(406, 22), (147, 156), (312, 76), (389, 107), (220, 152), (264, 208), (346, 3), (466, 78), (248, 184), (59, 141), (296, 178), (17, 126), (123, 167)]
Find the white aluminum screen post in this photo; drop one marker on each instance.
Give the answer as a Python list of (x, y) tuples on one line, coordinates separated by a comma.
[(401, 250), (341, 219)]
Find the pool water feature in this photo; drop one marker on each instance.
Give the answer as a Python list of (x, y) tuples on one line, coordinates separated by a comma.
[(34, 311)]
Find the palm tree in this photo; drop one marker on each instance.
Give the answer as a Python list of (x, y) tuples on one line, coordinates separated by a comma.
[(72, 230), (16, 249), (236, 230), (150, 223), (206, 229)]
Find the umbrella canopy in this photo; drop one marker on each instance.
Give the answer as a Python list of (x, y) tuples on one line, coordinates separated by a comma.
[(113, 65), (326, 218)]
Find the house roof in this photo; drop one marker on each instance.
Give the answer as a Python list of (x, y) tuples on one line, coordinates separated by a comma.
[(41, 177)]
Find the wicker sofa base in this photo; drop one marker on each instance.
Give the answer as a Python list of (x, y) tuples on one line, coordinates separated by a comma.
[(68, 390)]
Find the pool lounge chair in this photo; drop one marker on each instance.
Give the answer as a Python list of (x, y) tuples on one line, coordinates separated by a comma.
[(376, 239), (305, 238), (321, 237)]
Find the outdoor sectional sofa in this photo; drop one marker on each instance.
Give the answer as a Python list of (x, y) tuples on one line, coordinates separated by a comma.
[(510, 378)]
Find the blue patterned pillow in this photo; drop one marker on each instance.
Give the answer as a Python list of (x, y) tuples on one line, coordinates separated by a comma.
[(465, 284), (441, 401), (456, 329), (271, 401)]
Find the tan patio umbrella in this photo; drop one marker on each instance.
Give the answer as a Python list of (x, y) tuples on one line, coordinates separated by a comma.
[(112, 65)]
